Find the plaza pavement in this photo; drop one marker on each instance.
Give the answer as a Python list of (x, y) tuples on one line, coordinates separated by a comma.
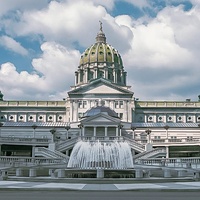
[(29, 185)]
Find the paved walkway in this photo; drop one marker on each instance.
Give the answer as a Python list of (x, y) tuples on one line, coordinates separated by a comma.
[(76, 186)]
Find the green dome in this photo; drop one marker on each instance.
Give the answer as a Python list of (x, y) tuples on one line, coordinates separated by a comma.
[(100, 60), (101, 52)]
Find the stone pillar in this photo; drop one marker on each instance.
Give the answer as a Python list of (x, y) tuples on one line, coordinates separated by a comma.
[(167, 173), (167, 151), (71, 111), (32, 172), (86, 75), (83, 131), (117, 131), (61, 173), (76, 78), (19, 172), (138, 173), (95, 131), (106, 131), (33, 151), (120, 132), (100, 173)]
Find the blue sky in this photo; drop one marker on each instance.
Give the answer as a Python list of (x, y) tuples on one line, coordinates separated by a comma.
[(41, 43)]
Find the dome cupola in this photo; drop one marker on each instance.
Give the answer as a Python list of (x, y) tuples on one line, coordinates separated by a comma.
[(100, 60)]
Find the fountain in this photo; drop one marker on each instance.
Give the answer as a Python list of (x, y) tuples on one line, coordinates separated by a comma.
[(101, 155)]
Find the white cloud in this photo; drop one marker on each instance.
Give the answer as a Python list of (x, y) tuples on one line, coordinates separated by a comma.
[(11, 44), (10, 5), (163, 62), (161, 54), (53, 72)]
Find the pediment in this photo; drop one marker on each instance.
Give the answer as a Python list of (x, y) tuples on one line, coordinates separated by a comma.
[(101, 118), (103, 89), (100, 86)]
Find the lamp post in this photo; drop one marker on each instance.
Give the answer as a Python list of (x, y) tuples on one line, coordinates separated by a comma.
[(133, 128), (148, 132), (52, 131), (34, 126), (81, 126), (67, 128), (166, 128), (1, 124), (120, 130)]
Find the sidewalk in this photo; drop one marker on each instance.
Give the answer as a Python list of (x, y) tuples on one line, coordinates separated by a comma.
[(26, 185)]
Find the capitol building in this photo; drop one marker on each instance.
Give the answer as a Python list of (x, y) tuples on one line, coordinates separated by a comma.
[(100, 107)]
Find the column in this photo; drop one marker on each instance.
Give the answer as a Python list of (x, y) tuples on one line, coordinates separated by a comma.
[(76, 78), (86, 75), (33, 151), (106, 131), (167, 151), (117, 131), (95, 73), (71, 110), (83, 131), (120, 131), (95, 131), (106, 73)]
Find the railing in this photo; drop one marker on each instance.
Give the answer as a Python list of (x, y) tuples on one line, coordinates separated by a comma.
[(66, 144), (13, 161), (149, 154), (184, 141), (102, 139), (47, 152), (193, 162), (13, 140), (135, 144)]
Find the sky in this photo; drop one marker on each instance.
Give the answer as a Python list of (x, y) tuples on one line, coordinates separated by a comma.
[(41, 42)]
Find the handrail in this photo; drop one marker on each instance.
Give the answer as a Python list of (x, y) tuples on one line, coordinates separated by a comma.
[(65, 144), (147, 154), (54, 154), (192, 162), (135, 144), (15, 161), (24, 140)]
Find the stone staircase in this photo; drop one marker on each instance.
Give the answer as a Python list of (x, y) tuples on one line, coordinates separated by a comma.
[(135, 145), (158, 152), (66, 145), (47, 153)]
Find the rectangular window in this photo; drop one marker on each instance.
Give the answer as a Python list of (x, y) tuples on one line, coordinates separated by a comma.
[(82, 104), (119, 104)]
